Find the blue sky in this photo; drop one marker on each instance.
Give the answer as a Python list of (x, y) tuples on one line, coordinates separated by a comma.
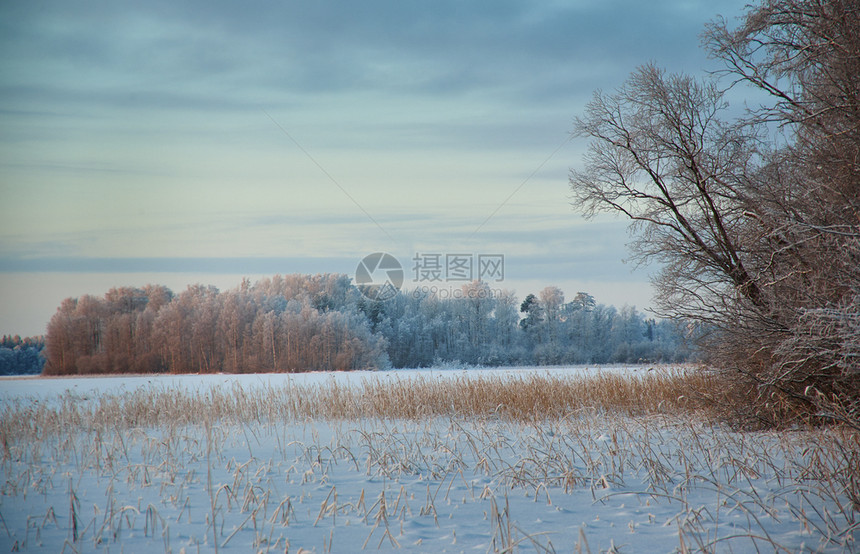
[(205, 141)]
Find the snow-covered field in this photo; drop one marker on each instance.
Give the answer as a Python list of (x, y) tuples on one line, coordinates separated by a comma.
[(590, 481), (39, 387)]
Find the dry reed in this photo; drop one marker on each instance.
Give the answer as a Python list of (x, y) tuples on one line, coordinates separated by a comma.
[(526, 398)]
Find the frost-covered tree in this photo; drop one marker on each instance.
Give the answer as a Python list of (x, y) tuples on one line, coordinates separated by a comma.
[(21, 356), (757, 232)]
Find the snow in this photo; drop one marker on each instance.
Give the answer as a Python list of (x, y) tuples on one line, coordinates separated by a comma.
[(36, 387), (593, 482)]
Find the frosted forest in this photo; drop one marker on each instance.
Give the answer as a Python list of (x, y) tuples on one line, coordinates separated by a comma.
[(298, 323)]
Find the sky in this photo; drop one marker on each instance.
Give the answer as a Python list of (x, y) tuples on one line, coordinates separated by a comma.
[(203, 142)]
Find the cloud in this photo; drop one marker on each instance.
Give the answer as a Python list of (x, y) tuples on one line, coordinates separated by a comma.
[(226, 265), (220, 55), (536, 246), (382, 74)]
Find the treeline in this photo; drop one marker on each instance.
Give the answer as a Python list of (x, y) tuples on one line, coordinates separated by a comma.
[(322, 322), (486, 327), (21, 356)]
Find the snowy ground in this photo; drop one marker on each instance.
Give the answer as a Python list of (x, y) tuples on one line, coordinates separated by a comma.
[(588, 482), (39, 387)]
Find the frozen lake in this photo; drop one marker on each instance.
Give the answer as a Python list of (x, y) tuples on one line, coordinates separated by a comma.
[(44, 387)]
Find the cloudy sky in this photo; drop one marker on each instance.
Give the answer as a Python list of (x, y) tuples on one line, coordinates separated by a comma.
[(183, 142)]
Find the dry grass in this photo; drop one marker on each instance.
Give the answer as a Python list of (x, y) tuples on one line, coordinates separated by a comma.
[(527, 398)]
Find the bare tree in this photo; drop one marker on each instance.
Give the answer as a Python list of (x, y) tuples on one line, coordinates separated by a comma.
[(757, 237), (661, 156), (806, 54)]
